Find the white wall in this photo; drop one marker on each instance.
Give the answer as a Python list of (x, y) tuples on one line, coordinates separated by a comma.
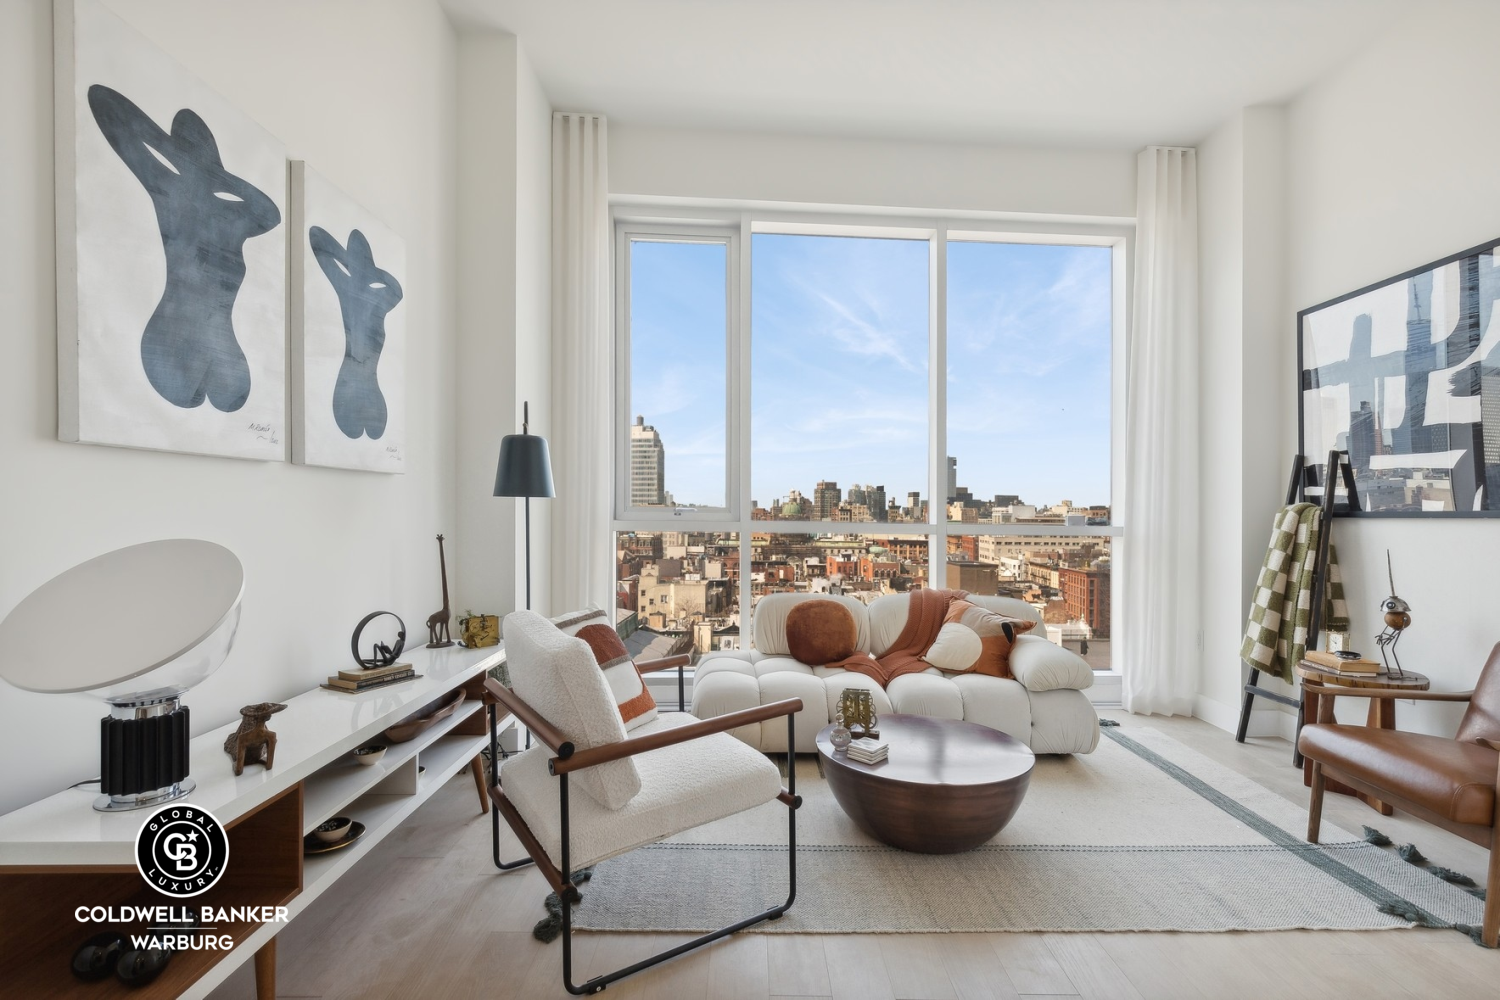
[(650, 162), (1392, 164), (1242, 246), (504, 183), (365, 91)]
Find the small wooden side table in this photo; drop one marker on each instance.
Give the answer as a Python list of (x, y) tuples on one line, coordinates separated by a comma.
[(1382, 714)]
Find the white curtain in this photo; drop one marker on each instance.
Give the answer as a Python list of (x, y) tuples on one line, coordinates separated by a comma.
[(582, 370), (1159, 558)]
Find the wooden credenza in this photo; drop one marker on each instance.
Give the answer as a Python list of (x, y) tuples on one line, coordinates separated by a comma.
[(59, 854)]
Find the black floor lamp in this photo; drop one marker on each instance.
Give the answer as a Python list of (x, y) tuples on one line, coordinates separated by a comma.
[(525, 471)]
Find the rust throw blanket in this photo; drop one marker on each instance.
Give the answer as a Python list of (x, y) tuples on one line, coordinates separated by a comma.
[(924, 619)]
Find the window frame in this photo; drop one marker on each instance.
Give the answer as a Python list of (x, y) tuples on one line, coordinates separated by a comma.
[(737, 226), (688, 232)]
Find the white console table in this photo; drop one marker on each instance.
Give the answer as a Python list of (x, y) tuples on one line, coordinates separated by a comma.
[(59, 854)]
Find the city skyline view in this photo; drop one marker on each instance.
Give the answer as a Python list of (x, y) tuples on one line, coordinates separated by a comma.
[(1029, 344)]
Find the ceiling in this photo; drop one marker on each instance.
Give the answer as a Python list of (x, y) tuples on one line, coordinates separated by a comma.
[(1091, 73)]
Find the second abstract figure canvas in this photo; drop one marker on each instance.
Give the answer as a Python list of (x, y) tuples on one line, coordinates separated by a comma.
[(348, 331)]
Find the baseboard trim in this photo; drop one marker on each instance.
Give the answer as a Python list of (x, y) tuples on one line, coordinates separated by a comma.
[(1273, 721)]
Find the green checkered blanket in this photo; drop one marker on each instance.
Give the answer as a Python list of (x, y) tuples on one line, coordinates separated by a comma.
[(1276, 636)]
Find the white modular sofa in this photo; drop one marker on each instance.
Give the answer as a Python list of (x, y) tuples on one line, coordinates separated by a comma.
[(1044, 707)]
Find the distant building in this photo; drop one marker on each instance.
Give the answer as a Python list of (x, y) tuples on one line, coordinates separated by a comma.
[(1085, 594), (952, 478), (647, 465), (826, 497), (974, 577)]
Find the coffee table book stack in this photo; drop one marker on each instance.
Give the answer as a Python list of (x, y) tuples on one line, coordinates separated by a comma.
[(868, 751), (372, 677)]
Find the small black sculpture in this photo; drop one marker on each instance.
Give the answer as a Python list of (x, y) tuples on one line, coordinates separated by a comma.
[(381, 655)]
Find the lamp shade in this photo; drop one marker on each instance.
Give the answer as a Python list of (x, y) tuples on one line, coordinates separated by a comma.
[(525, 467)]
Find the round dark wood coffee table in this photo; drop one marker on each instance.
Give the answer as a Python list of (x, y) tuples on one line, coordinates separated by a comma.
[(948, 786)]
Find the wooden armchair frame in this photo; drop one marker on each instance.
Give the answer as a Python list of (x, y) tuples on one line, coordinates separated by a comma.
[(1484, 836), (570, 759)]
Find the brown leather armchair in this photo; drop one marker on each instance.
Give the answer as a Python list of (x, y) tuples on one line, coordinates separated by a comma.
[(1451, 783)]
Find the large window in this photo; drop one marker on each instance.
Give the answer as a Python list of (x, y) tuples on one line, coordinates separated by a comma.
[(950, 397)]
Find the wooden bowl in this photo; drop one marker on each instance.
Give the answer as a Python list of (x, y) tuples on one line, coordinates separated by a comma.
[(428, 715), (334, 830), (370, 754)]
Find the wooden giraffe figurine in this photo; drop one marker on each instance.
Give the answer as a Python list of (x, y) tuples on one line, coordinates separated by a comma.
[(437, 622)]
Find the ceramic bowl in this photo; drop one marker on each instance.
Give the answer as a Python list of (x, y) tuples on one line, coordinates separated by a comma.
[(334, 830), (369, 755)]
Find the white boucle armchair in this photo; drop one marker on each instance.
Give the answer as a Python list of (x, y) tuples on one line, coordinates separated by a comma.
[(665, 777)]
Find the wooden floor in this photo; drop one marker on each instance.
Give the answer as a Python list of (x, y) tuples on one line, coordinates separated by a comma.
[(425, 916)]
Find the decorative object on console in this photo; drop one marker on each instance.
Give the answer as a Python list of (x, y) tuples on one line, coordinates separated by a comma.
[(478, 631), (382, 654), (1397, 618), (97, 957), (253, 743), (525, 470), (333, 830), (425, 717), (370, 755), (170, 609), (1395, 373), (348, 331), (437, 622), (312, 844), (171, 276)]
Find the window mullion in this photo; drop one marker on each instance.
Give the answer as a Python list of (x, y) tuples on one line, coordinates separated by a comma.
[(937, 408), (739, 364)]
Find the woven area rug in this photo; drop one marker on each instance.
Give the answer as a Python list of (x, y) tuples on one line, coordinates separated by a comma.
[(1144, 834)]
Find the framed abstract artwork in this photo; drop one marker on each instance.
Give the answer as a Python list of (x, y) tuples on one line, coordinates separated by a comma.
[(171, 252), (1404, 375), (348, 331)]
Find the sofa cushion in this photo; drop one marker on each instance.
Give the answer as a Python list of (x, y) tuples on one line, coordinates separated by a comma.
[(928, 693), (1062, 721), (557, 675), (956, 649), (1043, 665), (821, 632), (634, 701), (995, 702), (769, 621), (996, 633), (682, 786), (1456, 780)]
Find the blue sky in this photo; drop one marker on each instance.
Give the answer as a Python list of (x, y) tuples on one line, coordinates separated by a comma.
[(839, 365)]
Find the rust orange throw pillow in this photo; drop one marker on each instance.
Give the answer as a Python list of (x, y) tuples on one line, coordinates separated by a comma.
[(821, 632), (636, 705), (996, 632)]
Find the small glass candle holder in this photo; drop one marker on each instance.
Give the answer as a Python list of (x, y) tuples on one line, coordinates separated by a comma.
[(840, 737)]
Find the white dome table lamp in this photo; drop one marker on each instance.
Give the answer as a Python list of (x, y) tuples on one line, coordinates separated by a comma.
[(164, 614)]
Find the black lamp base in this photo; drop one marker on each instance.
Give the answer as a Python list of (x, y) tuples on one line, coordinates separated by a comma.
[(143, 756)]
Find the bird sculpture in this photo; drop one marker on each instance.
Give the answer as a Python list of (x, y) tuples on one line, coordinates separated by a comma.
[(1397, 620)]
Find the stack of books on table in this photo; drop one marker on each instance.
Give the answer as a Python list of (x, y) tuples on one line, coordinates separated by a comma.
[(1332, 661), (374, 677), (868, 751)]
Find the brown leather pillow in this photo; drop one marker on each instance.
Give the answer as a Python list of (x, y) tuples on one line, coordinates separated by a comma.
[(820, 632)]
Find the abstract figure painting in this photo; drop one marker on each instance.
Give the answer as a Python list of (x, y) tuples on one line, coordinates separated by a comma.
[(348, 331), (1405, 376), (171, 253)]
